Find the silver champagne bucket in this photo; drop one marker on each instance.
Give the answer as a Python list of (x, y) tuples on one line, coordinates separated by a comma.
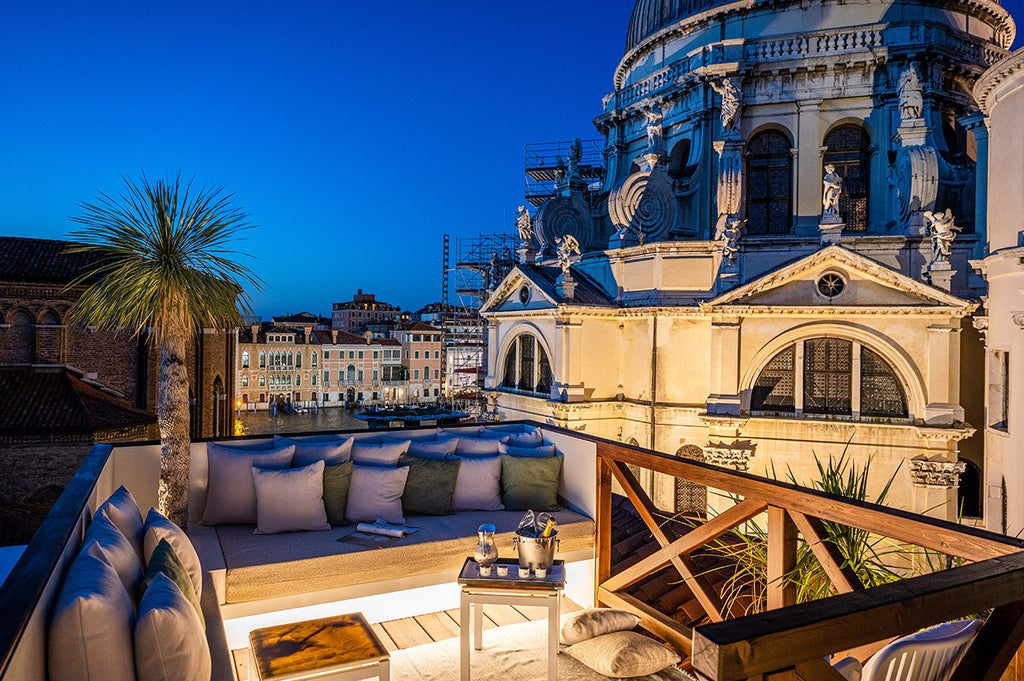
[(536, 552)]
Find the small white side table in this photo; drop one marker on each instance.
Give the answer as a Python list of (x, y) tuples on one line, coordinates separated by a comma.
[(477, 591)]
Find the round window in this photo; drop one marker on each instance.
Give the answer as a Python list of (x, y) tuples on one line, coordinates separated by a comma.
[(831, 285), (524, 295)]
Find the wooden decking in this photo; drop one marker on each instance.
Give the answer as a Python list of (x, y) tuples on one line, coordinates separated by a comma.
[(409, 632)]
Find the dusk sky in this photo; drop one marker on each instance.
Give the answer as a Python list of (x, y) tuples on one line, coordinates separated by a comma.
[(355, 134)]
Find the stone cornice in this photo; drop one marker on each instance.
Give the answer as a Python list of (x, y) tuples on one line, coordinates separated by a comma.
[(936, 473), (990, 81)]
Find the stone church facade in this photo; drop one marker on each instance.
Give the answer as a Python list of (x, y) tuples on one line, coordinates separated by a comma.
[(778, 263)]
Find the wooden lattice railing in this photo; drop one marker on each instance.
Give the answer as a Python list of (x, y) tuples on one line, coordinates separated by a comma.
[(790, 641)]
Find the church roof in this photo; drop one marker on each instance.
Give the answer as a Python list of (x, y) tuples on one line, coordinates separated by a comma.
[(650, 16), (44, 261), (546, 279)]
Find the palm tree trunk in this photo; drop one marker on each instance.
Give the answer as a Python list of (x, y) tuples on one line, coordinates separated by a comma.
[(173, 418)]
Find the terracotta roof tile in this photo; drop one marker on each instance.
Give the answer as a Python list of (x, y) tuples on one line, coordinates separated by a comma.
[(42, 260)]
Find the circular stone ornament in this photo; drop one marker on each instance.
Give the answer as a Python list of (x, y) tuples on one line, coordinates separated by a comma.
[(831, 284)]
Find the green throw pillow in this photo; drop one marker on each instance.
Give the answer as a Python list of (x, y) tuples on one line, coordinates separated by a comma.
[(336, 482), (430, 486), (164, 560), (530, 483)]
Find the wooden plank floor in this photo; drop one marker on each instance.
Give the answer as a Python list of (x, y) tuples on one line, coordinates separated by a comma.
[(438, 626)]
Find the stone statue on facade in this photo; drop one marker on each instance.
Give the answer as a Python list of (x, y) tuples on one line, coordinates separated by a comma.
[(732, 97), (575, 153), (567, 247), (943, 230), (911, 99), (493, 272), (833, 189), (524, 226), (655, 131), (730, 230)]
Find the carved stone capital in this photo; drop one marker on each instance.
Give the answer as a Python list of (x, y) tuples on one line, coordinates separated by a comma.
[(1018, 318), (735, 455), (936, 473), (981, 324)]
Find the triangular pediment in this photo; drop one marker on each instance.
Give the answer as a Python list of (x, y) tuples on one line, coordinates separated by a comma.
[(518, 292), (813, 282)]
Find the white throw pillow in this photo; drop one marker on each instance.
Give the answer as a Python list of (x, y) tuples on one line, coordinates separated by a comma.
[(478, 486), (170, 642), (623, 654), (376, 493), (477, 447), (104, 541), (159, 527), (90, 636), (124, 512), (383, 454), (231, 494), (333, 449), (290, 500), (586, 624)]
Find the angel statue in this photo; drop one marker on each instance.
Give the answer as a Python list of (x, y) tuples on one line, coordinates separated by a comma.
[(943, 231), (833, 190), (731, 100), (567, 247), (730, 230), (524, 226), (655, 131)]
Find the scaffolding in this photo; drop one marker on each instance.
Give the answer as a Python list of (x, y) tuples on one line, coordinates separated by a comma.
[(545, 161), (472, 268)]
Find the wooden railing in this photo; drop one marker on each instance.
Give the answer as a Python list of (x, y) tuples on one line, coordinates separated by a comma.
[(790, 641)]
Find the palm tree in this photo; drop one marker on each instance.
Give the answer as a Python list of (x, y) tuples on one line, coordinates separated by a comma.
[(164, 272)]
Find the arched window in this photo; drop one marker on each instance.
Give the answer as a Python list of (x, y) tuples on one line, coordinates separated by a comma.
[(263, 359), (291, 359), (350, 373), (298, 360), (817, 376), (312, 359), (969, 491), (298, 380), (848, 149), (245, 381), (426, 373), (22, 338), (527, 368), (245, 359), (769, 184), (263, 381), (678, 159)]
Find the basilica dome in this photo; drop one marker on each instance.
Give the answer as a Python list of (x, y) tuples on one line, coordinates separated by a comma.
[(650, 16)]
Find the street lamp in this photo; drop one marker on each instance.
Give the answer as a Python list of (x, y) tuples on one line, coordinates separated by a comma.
[(238, 409)]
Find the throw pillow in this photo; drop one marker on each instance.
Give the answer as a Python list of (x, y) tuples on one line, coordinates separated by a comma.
[(237, 446), (231, 493), (334, 450), (337, 480), (429, 437), (623, 654), (430, 486), (478, 486), (290, 500), (159, 528), (441, 449), (164, 561), (472, 431), (586, 624), (376, 492), (532, 438), (124, 512), (169, 641), (539, 452), (476, 447), (501, 436), (90, 635), (530, 483), (104, 541), (384, 454)]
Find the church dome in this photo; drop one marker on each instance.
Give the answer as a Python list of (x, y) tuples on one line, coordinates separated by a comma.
[(650, 16)]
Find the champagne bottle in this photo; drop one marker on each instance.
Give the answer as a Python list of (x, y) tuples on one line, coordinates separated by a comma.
[(549, 527)]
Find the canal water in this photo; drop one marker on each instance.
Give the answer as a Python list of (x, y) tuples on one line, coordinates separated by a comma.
[(262, 423)]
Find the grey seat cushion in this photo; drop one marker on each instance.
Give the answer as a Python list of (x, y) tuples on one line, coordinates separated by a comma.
[(268, 566)]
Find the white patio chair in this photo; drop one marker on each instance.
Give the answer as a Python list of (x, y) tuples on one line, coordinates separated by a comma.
[(928, 655)]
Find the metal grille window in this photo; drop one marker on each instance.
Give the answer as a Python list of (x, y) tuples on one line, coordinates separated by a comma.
[(880, 391), (691, 497), (848, 149), (769, 184), (773, 390), (829, 376), (827, 369), (527, 368)]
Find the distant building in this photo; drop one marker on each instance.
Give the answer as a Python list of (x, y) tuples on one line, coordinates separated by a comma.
[(353, 368), (364, 309), (277, 365), (421, 354)]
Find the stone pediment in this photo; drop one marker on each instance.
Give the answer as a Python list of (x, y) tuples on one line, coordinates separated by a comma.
[(837, 277), (537, 287), (517, 293)]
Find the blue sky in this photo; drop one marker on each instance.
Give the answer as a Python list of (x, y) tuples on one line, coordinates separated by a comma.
[(354, 133)]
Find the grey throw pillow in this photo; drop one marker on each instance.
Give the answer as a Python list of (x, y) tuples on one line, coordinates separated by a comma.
[(231, 493), (290, 500), (104, 541), (159, 528), (170, 642), (124, 512), (376, 492), (623, 654), (478, 485), (592, 622), (441, 449), (331, 449), (383, 454), (476, 447)]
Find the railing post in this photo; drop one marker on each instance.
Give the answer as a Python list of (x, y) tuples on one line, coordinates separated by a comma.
[(603, 531), (781, 558)]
